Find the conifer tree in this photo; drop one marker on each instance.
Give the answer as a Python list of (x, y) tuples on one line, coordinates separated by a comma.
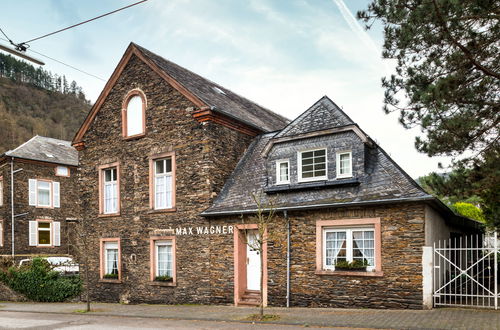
[(447, 82)]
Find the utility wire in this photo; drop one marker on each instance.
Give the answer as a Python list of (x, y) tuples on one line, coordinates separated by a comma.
[(90, 20), (69, 66), (6, 36)]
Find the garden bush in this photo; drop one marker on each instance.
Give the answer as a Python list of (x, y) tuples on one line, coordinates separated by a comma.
[(38, 282)]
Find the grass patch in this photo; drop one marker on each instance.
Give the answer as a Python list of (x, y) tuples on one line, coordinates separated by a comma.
[(82, 311), (265, 318)]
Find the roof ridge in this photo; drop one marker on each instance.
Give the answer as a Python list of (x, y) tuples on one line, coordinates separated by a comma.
[(21, 145), (142, 49)]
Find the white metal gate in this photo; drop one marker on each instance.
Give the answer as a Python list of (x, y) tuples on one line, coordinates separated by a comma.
[(466, 272)]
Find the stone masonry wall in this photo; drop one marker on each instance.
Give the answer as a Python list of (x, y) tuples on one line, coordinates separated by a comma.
[(65, 214), (205, 156), (402, 231)]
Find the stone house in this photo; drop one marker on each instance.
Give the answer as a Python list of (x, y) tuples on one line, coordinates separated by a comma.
[(45, 199), (168, 162)]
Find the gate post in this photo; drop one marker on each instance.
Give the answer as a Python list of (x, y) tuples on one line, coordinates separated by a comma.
[(427, 273), (495, 268)]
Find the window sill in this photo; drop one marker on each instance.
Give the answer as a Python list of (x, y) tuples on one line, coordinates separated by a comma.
[(170, 210), (158, 283), (102, 215), (349, 273), (134, 137), (103, 280)]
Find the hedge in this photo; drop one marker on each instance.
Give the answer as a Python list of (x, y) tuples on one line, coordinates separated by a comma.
[(38, 282)]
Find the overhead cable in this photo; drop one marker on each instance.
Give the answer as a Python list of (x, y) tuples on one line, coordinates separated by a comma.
[(89, 20)]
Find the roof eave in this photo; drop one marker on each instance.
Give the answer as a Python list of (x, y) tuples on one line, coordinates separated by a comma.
[(208, 213)]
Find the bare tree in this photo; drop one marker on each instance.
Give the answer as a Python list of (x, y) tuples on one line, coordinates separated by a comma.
[(265, 217)]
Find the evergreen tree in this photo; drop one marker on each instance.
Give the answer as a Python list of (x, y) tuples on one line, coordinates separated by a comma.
[(447, 82)]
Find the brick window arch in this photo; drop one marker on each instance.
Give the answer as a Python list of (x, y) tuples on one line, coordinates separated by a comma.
[(134, 114)]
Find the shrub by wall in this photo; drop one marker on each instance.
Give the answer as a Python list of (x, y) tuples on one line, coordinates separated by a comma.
[(38, 282)]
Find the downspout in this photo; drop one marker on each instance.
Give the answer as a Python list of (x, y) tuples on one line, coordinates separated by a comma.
[(285, 213), (12, 204)]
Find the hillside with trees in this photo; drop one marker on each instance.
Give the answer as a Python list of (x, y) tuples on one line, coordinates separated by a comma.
[(34, 101)]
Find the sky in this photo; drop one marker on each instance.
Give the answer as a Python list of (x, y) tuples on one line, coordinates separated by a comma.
[(282, 54)]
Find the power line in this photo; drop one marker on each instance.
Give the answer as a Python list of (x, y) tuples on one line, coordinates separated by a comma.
[(60, 62), (69, 66), (89, 20)]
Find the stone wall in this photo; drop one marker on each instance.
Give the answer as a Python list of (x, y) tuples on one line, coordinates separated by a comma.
[(65, 214), (402, 231), (205, 153)]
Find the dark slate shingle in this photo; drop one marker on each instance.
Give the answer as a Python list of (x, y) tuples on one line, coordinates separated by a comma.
[(323, 114), (222, 99), (381, 180), (46, 149)]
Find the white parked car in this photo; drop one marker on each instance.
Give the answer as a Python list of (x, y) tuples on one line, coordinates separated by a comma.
[(63, 265)]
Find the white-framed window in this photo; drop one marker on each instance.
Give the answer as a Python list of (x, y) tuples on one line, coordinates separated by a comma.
[(344, 164), (62, 171), (44, 193), (111, 259), (1, 191), (348, 245), (163, 258), (312, 165), (135, 116), (282, 171), (163, 183), (44, 233), (110, 190)]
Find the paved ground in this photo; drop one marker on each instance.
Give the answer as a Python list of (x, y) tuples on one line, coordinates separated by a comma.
[(22, 320), (352, 318)]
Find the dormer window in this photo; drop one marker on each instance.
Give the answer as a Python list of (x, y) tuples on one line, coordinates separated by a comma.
[(312, 165), (344, 164), (133, 114), (282, 171)]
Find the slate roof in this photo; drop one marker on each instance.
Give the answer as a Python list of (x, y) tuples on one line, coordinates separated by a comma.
[(46, 149), (323, 114), (221, 99), (384, 181)]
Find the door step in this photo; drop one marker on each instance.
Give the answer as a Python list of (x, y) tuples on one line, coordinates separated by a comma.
[(250, 298)]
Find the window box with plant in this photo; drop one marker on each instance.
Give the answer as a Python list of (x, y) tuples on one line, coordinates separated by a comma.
[(352, 266), (164, 278), (110, 276)]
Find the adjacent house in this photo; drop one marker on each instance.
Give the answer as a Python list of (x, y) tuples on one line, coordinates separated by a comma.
[(168, 161), (41, 219)]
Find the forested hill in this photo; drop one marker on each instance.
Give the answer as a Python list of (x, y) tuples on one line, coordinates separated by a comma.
[(36, 102)]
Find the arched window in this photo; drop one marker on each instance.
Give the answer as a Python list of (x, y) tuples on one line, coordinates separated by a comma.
[(133, 114)]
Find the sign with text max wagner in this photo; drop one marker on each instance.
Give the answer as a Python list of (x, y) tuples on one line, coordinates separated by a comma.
[(204, 230)]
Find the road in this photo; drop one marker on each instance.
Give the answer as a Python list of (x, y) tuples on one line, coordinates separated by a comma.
[(23, 320)]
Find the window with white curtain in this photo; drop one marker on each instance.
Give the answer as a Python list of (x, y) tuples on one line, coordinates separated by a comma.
[(348, 244), (110, 190), (111, 264), (44, 193), (135, 116), (344, 164), (1, 191), (163, 257), (282, 171), (163, 183)]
